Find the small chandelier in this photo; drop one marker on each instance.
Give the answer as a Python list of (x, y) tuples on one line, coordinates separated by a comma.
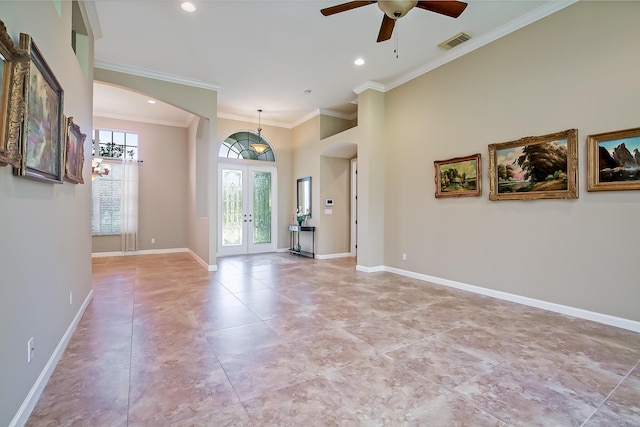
[(98, 169), (259, 147)]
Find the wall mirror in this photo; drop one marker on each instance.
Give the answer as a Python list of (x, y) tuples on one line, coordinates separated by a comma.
[(304, 195)]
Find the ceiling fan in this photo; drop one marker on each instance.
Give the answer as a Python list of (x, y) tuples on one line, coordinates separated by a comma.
[(393, 10)]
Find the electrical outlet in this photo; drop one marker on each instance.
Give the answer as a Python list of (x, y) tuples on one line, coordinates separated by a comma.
[(404, 257), (30, 348), (153, 240)]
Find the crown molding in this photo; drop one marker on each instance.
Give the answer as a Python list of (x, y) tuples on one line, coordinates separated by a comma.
[(370, 85), (239, 118), (155, 75), (146, 120)]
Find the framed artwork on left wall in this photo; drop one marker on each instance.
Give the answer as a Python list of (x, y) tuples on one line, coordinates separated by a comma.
[(74, 159), (13, 61), (43, 127)]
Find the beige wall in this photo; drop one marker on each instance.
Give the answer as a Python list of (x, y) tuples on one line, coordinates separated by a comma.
[(332, 231), (45, 244), (335, 183), (163, 185), (330, 125), (575, 69)]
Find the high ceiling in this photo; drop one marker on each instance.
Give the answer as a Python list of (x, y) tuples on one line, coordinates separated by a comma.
[(283, 57)]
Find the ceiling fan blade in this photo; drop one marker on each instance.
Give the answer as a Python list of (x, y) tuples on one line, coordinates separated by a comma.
[(386, 29), (443, 7), (344, 7)]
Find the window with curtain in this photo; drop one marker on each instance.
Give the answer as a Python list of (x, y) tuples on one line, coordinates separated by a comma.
[(106, 198), (115, 194)]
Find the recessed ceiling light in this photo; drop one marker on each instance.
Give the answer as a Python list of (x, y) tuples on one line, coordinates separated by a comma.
[(308, 91), (188, 6), (359, 61), (151, 101)]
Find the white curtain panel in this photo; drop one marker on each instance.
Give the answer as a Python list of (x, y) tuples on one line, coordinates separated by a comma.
[(129, 210)]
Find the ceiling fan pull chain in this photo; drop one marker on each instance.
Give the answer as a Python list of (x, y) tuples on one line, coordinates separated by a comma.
[(395, 39)]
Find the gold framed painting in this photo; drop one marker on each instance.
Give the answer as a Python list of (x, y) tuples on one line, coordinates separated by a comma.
[(43, 126), (74, 158), (13, 67), (459, 177), (535, 167), (613, 161)]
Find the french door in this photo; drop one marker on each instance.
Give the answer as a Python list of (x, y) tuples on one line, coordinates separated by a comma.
[(246, 209)]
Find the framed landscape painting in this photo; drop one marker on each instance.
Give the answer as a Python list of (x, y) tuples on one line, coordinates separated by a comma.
[(535, 167), (13, 62), (43, 127), (458, 177), (613, 160)]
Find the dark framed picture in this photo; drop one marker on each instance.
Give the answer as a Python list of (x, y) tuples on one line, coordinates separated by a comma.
[(459, 177), (43, 127), (74, 158), (535, 167), (613, 160), (13, 61)]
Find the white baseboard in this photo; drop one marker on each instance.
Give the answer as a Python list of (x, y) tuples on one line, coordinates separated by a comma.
[(144, 252), (334, 256), (203, 262), (606, 319), (198, 259), (22, 416), (376, 269)]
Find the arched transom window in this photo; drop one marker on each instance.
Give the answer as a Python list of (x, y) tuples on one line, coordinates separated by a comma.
[(247, 145)]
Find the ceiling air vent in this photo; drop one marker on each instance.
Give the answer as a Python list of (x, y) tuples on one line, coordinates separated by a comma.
[(455, 41)]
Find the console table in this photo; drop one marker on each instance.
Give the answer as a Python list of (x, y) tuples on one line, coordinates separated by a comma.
[(294, 240)]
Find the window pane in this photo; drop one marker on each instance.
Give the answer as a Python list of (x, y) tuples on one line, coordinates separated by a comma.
[(261, 207), (131, 139), (231, 207), (104, 136), (118, 138)]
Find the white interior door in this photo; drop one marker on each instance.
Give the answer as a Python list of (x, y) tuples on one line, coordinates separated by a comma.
[(246, 209)]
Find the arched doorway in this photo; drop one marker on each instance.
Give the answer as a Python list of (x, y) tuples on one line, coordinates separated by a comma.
[(247, 194)]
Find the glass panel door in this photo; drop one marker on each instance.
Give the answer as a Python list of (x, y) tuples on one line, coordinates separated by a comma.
[(232, 226), (246, 205)]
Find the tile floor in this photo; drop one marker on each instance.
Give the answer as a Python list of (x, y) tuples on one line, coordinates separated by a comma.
[(277, 340)]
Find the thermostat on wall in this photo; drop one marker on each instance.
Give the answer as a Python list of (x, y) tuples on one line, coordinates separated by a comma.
[(328, 202)]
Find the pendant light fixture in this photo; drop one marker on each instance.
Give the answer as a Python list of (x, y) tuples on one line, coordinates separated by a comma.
[(259, 147)]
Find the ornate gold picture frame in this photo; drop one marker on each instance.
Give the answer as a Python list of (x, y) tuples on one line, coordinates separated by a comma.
[(459, 177), (535, 167), (14, 61), (613, 160)]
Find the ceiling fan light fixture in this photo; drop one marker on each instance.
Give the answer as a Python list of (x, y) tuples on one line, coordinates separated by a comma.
[(396, 9)]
